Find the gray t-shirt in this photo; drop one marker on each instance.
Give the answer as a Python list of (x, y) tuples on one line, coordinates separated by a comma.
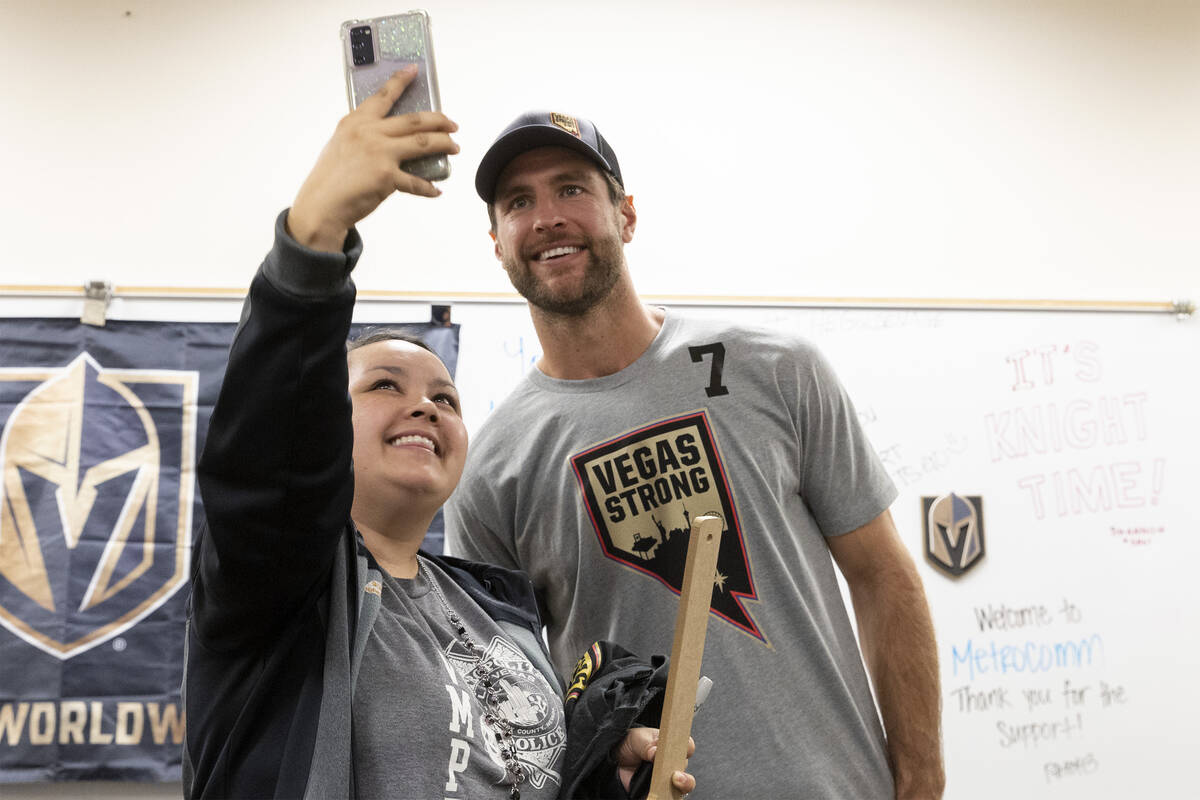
[(419, 729), (590, 487)]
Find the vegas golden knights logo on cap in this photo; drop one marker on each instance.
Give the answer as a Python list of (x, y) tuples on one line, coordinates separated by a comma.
[(568, 124), (96, 477), (953, 527)]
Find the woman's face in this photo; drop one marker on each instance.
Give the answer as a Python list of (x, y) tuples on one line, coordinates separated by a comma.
[(409, 437)]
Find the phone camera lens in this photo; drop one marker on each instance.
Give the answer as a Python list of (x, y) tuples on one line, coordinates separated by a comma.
[(362, 49)]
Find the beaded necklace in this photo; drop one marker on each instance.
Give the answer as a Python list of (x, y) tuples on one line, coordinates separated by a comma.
[(484, 667)]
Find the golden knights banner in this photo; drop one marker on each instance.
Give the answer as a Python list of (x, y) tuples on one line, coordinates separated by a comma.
[(100, 429)]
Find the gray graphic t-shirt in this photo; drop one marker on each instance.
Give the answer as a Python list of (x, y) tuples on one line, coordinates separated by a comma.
[(419, 727), (591, 486)]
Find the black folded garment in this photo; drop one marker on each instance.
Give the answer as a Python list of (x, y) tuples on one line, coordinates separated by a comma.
[(611, 691)]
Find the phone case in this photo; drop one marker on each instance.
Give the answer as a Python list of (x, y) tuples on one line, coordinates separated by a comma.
[(374, 49)]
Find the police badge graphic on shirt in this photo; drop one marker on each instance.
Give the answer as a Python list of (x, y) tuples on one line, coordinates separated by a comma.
[(642, 491), (527, 703)]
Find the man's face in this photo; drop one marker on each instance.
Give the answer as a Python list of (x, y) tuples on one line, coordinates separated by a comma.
[(409, 435), (558, 233)]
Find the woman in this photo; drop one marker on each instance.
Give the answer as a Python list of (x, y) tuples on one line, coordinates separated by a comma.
[(326, 656)]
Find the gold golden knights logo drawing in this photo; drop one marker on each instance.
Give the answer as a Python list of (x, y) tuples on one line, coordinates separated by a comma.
[(95, 499)]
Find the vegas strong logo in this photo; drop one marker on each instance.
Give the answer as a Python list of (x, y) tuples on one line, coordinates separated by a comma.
[(643, 489)]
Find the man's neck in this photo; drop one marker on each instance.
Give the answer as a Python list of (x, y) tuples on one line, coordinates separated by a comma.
[(602, 342)]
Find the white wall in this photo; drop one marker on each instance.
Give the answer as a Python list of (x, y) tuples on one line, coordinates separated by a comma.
[(926, 148)]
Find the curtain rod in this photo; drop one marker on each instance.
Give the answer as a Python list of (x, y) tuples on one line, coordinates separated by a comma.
[(1181, 308)]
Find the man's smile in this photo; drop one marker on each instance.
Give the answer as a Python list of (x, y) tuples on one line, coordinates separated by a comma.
[(557, 252)]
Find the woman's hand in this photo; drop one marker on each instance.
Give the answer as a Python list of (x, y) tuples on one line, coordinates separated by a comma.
[(640, 744), (360, 166)]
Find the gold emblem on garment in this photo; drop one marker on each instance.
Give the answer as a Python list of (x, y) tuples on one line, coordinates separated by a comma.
[(568, 124)]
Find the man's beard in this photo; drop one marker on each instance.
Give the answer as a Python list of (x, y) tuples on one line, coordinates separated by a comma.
[(604, 266)]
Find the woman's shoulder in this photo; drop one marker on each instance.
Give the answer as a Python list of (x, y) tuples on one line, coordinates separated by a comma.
[(503, 593)]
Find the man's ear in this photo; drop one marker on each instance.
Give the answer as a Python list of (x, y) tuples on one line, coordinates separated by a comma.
[(495, 245), (629, 217)]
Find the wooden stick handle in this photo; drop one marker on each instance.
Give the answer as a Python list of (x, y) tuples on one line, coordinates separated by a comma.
[(691, 624)]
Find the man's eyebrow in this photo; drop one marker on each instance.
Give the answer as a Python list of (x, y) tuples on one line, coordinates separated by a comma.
[(566, 176), (576, 175), (511, 189)]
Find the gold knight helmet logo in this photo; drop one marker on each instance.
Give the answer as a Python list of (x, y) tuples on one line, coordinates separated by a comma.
[(953, 526), (96, 477)]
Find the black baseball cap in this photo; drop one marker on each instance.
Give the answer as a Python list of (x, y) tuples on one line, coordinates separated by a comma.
[(542, 129)]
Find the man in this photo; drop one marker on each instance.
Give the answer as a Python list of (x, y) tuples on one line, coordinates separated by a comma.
[(635, 422)]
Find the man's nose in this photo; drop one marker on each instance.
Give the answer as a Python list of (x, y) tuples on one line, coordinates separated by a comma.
[(548, 216)]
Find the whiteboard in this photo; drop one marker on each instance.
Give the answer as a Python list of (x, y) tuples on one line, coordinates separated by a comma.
[(1067, 652)]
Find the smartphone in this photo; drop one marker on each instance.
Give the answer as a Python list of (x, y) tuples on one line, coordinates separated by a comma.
[(374, 49)]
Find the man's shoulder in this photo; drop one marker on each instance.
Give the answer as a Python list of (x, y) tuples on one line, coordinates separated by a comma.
[(759, 338), (499, 590), (517, 409)]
